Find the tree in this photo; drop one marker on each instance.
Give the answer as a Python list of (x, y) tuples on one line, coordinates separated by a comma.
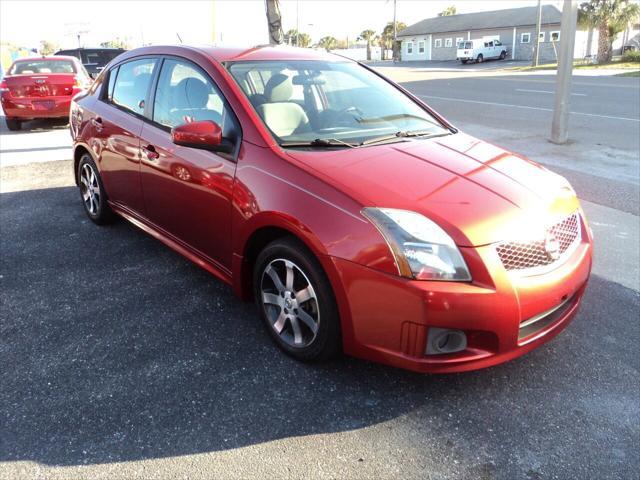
[(370, 37), (328, 43), (305, 40), (586, 21), (291, 37), (117, 43), (48, 48), (611, 17), (386, 39), (452, 10), (297, 39)]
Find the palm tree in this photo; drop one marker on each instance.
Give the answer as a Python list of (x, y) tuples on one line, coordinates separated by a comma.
[(586, 21), (369, 36), (291, 37), (452, 10), (328, 43), (611, 17), (386, 39), (304, 39)]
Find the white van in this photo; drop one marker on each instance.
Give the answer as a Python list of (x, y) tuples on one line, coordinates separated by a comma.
[(481, 50)]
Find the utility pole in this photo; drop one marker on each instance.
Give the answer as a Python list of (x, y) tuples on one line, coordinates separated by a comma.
[(394, 55), (560, 124), (536, 47), (274, 21)]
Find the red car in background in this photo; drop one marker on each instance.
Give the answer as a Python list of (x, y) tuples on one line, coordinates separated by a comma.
[(41, 88), (356, 217)]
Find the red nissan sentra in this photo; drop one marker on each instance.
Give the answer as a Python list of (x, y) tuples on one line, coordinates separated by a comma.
[(41, 88), (356, 217)]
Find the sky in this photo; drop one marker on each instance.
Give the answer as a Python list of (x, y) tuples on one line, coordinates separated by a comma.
[(231, 22)]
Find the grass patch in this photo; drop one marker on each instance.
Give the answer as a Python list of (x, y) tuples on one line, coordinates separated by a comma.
[(629, 74), (580, 65)]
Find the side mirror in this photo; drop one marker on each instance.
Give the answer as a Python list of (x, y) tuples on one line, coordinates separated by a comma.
[(204, 134)]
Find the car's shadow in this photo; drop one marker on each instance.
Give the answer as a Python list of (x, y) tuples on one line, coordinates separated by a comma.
[(114, 348), (38, 125)]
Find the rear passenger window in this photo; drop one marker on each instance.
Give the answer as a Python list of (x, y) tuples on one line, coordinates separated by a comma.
[(132, 83), (184, 94)]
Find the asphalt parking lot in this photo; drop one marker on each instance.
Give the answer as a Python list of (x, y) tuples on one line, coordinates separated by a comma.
[(123, 360)]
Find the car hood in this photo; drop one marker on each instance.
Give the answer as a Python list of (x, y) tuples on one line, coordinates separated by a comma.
[(479, 193)]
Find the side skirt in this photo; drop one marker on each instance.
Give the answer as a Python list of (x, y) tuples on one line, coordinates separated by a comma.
[(210, 265)]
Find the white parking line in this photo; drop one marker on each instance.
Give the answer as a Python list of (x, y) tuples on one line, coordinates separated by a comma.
[(546, 91), (527, 107)]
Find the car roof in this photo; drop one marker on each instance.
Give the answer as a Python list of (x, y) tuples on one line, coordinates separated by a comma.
[(237, 54)]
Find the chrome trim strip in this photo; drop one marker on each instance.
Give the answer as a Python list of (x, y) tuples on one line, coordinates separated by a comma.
[(543, 315)]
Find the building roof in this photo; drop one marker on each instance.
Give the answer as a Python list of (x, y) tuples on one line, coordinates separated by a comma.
[(509, 18)]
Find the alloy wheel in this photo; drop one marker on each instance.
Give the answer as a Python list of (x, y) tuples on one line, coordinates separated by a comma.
[(90, 189), (290, 303)]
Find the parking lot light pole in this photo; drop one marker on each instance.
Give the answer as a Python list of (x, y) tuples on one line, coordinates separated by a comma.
[(560, 124)]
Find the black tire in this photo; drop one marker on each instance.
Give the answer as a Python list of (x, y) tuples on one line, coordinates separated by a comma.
[(464, 61), (480, 59), (326, 342), (97, 209), (503, 55), (13, 124)]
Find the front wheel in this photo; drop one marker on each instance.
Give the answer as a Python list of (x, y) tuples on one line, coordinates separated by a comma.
[(13, 124), (94, 197), (503, 55), (296, 301), (480, 59)]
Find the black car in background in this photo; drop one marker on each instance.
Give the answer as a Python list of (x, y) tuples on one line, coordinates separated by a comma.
[(93, 59)]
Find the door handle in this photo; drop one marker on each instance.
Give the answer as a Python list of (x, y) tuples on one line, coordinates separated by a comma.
[(150, 152), (97, 123)]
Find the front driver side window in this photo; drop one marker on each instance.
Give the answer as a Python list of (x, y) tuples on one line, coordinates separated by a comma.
[(184, 94)]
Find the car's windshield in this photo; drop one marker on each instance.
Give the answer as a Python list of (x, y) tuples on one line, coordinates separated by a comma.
[(27, 67), (306, 101)]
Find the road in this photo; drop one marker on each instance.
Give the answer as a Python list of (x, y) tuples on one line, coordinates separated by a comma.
[(123, 360)]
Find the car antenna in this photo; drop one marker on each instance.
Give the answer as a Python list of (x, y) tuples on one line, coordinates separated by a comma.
[(178, 35)]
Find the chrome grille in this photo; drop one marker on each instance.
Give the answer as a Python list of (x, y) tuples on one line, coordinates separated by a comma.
[(525, 255)]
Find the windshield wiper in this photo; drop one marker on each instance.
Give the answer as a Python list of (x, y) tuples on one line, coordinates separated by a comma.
[(403, 134), (321, 142)]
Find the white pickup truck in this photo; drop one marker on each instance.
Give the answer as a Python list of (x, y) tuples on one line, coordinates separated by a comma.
[(480, 50)]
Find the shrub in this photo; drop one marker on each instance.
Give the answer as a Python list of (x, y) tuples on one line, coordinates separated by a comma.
[(631, 56)]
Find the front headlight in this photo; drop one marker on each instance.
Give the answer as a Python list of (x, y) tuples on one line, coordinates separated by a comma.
[(421, 248)]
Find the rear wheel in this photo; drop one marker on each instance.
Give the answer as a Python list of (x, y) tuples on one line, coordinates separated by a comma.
[(94, 197), (464, 61), (480, 59), (503, 55), (13, 124), (296, 301)]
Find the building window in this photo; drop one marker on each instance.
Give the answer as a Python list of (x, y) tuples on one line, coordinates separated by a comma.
[(421, 46), (448, 42), (555, 36), (438, 43), (525, 38), (542, 36), (409, 48), (459, 40)]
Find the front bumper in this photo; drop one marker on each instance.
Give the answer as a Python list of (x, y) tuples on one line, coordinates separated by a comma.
[(27, 108), (386, 318)]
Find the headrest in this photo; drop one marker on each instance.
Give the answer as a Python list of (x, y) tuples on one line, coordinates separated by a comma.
[(279, 88), (191, 93)]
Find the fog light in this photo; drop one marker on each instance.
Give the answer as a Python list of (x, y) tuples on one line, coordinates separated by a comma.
[(444, 340)]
